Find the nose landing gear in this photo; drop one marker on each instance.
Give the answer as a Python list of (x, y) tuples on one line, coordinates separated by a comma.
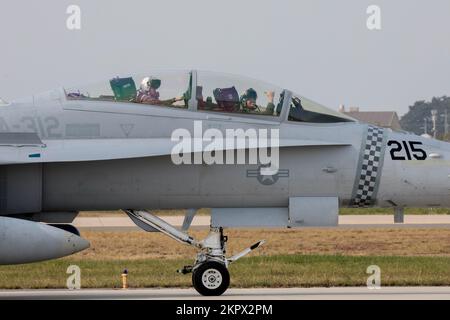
[(210, 276)]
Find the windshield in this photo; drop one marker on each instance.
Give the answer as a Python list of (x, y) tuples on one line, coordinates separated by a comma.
[(302, 109)]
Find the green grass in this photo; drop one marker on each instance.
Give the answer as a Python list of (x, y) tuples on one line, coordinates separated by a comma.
[(270, 271)]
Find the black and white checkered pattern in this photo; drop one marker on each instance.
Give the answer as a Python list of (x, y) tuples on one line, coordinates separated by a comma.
[(370, 168)]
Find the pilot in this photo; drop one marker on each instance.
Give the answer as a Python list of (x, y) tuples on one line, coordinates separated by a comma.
[(148, 93), (248, 102)]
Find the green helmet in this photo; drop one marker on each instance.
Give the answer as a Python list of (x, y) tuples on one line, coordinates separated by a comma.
[(249, 94)]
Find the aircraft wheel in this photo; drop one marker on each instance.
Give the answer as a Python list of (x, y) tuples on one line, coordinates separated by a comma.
[(211, 278)]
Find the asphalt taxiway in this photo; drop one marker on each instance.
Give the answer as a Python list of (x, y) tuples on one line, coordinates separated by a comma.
[(335, 293), (122, 223)]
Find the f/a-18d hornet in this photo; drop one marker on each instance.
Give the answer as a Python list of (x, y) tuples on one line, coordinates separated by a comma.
[(256, 154)]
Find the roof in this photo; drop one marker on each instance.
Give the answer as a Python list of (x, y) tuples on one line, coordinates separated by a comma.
[(388, 119)]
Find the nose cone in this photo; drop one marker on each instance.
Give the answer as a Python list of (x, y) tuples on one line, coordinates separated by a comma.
[(61, 242), (76, 243)]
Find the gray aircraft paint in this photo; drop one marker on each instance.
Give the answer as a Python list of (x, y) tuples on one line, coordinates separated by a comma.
[(328, 169)]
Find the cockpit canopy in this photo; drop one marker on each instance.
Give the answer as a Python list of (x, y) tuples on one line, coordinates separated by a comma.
[(126, 89), (207, 92)]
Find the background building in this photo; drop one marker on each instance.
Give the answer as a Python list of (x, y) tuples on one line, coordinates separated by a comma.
[(386, 119)]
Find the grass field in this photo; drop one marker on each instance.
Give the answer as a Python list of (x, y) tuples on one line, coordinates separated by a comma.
[(271, 271), (290, 258), (329, 241)]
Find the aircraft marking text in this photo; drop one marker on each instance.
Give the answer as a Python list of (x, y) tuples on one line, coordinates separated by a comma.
[(47, 127), (410, 150)]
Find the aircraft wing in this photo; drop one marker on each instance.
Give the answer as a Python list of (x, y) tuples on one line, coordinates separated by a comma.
[(17, 149)]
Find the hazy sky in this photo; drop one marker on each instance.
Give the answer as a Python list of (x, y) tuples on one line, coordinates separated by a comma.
[(320, 49)]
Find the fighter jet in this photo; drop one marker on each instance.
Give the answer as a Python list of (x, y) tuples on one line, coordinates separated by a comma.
[(256, 154)]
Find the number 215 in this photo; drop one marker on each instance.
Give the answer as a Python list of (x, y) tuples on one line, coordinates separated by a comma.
[(410, 150)]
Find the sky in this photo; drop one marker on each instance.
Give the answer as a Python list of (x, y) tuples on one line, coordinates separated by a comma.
[(321, 49)]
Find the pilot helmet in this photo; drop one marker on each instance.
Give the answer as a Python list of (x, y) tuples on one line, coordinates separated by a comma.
[(149, 82), (249, 94), (145, 84)]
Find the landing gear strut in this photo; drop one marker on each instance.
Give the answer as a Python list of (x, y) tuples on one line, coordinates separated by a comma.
[(210, 276)]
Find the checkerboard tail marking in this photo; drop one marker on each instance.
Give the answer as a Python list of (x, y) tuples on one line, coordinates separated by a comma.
[(367, 180)]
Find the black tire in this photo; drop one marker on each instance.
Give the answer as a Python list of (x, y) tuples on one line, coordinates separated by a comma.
[(211, 278)]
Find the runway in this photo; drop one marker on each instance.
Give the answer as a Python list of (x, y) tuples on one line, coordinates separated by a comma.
[(123, 223), (337, 293)]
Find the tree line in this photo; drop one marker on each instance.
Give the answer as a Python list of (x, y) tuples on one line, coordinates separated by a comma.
[(419, 117)]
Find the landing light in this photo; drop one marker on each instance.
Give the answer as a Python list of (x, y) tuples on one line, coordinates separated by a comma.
[(434, 155)]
